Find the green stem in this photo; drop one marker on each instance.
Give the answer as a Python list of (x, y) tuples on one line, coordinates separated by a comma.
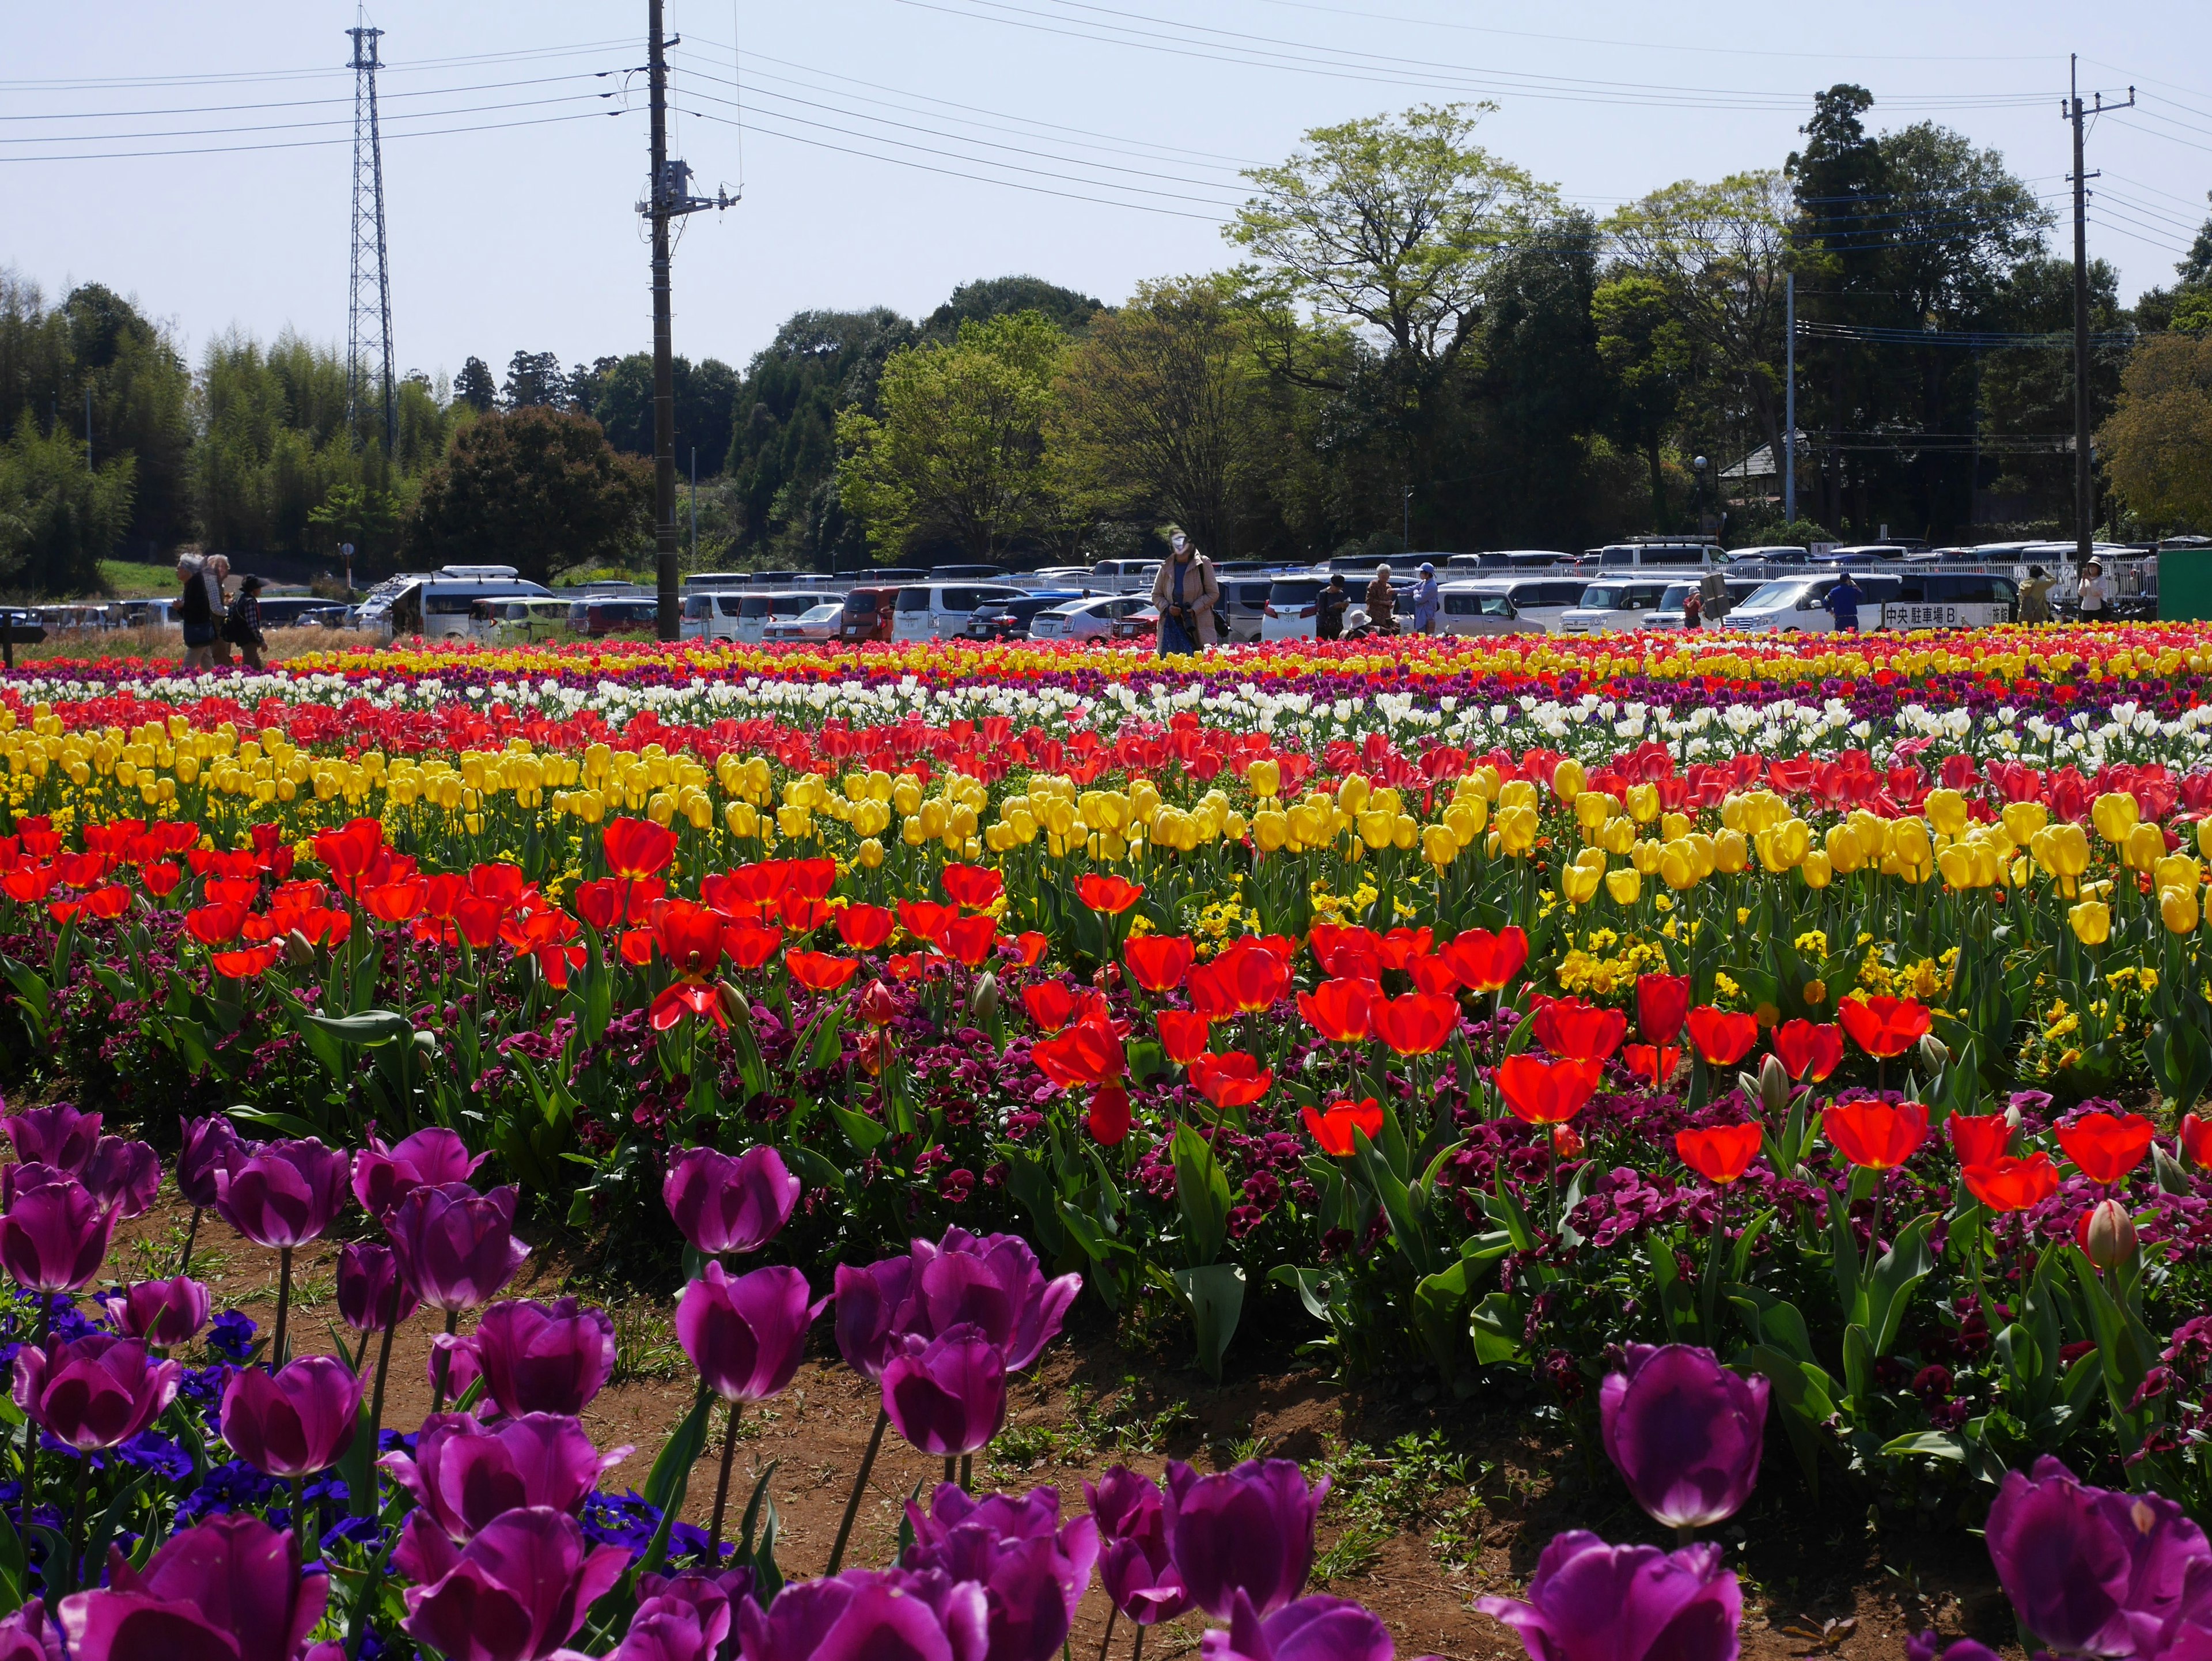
[(722, 1488), (70, 1570), (365, 1504), (191, 1233), (283, 1306), (445, 1365), (967, 1473), (1113, 1612), (859, 1487), (951, 1468)]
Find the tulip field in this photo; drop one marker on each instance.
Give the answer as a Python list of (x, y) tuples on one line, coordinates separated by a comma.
[(1771, 1067)]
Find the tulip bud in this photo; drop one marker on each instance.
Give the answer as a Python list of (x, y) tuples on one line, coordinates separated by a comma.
[(1934, 1055), (299, 949), (733, 1003), (1773, 1086), (2109, 1240), (1566, 1144), (983, 1002)]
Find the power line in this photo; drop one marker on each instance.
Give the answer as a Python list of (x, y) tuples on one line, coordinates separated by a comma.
[(303, 103), (299, 126), (319, 72), (311, 144)]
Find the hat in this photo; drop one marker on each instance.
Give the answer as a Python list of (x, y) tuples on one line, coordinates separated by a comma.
[(1428, 568), (249, 585)]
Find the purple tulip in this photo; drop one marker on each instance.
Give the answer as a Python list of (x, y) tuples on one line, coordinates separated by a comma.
[(383, 1177), (125, 1176), (1033, 1571), (544, 1358), (863, 1615), (456, 1246), (1311, 1629), (1251, 1528), (711, 1600), (463, 1475), (994, 1282), (1133, 1564), (54, 1236), (211, 1144), (28, 1635), (1684, 1431), (294, 1422), (870, 1300), (285, 1194), (1592, 1602), (160, 1313), (666, 1630), (514, 1592), (2086, 1568), (746, 1333), (947, 1394), (454, 1364), (95, 1391), (730, 1204), (58, 1136), (1927, 1646), (372, 1294), (230, 1586)]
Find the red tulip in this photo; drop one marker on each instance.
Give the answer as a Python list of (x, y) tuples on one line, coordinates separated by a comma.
[(1486, 962), (1575, 1030), (971, 885), (2196, 1140), (1088, 1053), (1538, 1091), (688, 935), (1979, 1141), (637, 848), (1883, 1027), (1721, 1154), (1109, 1118), (1183, 1034), (1032, 946), (1254, 976), (1111, 894), (1343, 1011), (2106, 1147), (1419, 1024), (750, 944), (1433, 975), (1647, 1060), (969, 940), (926, 919), (1809, 1051), (1874, 1136), (1333, 1129), (1663, 1003), (1720, 1037), (1052, 1004), (1158, 962), (818, 971), (686, 998), (1211, 994), (864, 928), (214, 925), (1236, 1080), (2007, 1184), (393, 902)]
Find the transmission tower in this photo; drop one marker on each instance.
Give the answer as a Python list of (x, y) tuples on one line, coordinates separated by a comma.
[(368, 325)]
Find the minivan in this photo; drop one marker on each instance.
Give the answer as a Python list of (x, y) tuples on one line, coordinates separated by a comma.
[(1612, 607), (1912, 598), (1669, 556), (710, 616), (612, 614), (756, 609), (510, 620), (1243, 609), (1539, 602), (867, 613), (940, 610), (443, 605)]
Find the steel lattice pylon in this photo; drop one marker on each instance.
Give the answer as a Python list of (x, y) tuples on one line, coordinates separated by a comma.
[(368, 324)]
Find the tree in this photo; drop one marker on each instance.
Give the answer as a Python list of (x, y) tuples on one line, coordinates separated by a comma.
[(1646, 349), (363, 517), (475, 387), (2157, 446), (534, 380), (1003, 296), (704, 395), (959, 449), (1156, 409), (536, 489), (59, 516)]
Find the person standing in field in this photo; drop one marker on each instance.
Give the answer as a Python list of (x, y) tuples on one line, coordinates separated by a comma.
[(2035, 596), (1382, 603), (1184, 593), (1427, 602), (242, 626), (198, 619), (213, 574)]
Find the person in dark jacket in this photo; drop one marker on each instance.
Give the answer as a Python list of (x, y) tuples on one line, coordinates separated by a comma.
[(1329, 609), (197, 616), (241, 625)]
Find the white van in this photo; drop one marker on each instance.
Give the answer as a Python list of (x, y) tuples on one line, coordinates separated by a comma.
[(1463, 609), (710, 615), (940, 610), (1538, 602), (757, 608), (1612, 607), (444, 604), (1917, 598), (1659, 555), (1507, 561), (1124, 576)]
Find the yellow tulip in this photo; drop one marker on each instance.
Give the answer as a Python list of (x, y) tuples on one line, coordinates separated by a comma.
[(2177, 870), (1352, 795), (2114, 814), (2092, 920), (1593, 808), (1643, 803), (2177, 909), (1908, 840), (1438, 846), (1578, 883), (1516, 792), (1464, 819), (1617, 836), (1569, 780), (1946, 810), (869, 855), (2144, 846), (2022, 819), (1374, 829), (1957, 864), (1265, 778), (1270, 830), (1673, 827), (1782, 847), (1516, 829), (2204, 835), (1624, 885), (1644, 855), (1846, 853), (1678, 865), (1817, 870)]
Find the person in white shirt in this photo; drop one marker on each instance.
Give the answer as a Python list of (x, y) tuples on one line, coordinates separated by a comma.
[(2096, 599)]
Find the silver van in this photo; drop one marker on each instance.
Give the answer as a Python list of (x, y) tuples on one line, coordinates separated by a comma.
[(1659, 557), (940, 610), (1537, 602)]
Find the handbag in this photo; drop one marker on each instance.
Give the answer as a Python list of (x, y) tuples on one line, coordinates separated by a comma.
[(199, 634)]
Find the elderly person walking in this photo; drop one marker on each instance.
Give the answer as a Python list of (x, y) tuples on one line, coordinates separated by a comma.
[(1184, 593), (213, 573), (1382, 603), (198, 619)]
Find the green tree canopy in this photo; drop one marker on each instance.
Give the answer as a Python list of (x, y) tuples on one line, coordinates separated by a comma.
[(2157, 444), (1003, 296), (59, 516), (537, 489)]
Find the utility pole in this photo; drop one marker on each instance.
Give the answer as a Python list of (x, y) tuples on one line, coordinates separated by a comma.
[(2084, 496), (668, 195), (368, 320), (1789, 399)]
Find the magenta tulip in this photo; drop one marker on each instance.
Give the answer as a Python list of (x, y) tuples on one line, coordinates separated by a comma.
[(1251, 1528), (456, 1246), (383, 1177), (745, 1334), (230, 1587), (544, 1358), (1684, 1431), (211, 1144), (125, 1176), (514, 1592), (869, 1615), (296, 1421), (285, 1194), (58, 1136), (28, 1635), (1592, 1602), (162, 1312), (1311, 1629), (666, 1630), (1033, 1570), (53, 1235), (95, 1391), (992, 1281), (464, 1474), (730, 1204), (708, 1602), (1133, 1565), (870, 1300), (454, 1364), (372, 1294), (2089, 1570), (947, 1394)]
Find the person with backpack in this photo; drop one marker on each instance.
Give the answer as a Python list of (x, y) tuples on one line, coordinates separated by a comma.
[(241, 625)]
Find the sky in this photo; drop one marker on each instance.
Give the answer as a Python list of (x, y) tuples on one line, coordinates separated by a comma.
[(199, 157)]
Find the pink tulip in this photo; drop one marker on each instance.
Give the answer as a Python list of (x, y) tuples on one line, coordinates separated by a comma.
[(745, 1334), (456, 1246), (454, 1364), (868, 1615), (1684, 1431), (162, 1312), (726, 1204), (514, 1592), (230, 1586), (285, 1195), (294, 1422), (95, 1391), (1592, 1602), (54, 1236), (992, 1281), (946, 1395), (383, 1177), (544, 1358), (28, 1635)]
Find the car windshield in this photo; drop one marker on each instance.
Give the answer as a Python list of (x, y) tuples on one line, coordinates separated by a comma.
[(1774, 596), (1602, 599), (827, 613), (1672, 600)]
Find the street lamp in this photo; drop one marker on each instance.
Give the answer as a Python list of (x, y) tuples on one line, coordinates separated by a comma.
[(1697, 491)]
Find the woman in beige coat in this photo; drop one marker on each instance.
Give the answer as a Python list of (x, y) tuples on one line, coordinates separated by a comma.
[(1184, 593)]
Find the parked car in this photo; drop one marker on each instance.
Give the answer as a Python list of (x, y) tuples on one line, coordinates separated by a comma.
[(1009, 619), (867, 614), (815, 623), (595, 618), (507, 621), (1538, 602), (1243, 608), (1608, 608), (1913, 597), (1083, 619), (940, 610), (1670, 614)]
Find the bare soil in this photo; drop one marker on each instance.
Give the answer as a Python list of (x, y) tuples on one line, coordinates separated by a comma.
[(1435, 1503)]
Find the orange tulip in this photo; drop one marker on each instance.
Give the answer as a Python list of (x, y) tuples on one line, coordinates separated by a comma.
[(1883, 1027), (1419, 1024), (1486, 962), (1575, 1030), (971, 885), (864, 928), (1978, 1139), (1875, 1135), (688, 935), (2006, 1184), (1088, 1053), (970, 938), (1183, 1034), (1111, 894), (2106, 1147), (818, 971), (1809, 1051), (1109, 1119), (635, 847), (1236, 1080), (1720, 1037), (1343, 1011), (752, 944), (926, 919), (1051, 1004)]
